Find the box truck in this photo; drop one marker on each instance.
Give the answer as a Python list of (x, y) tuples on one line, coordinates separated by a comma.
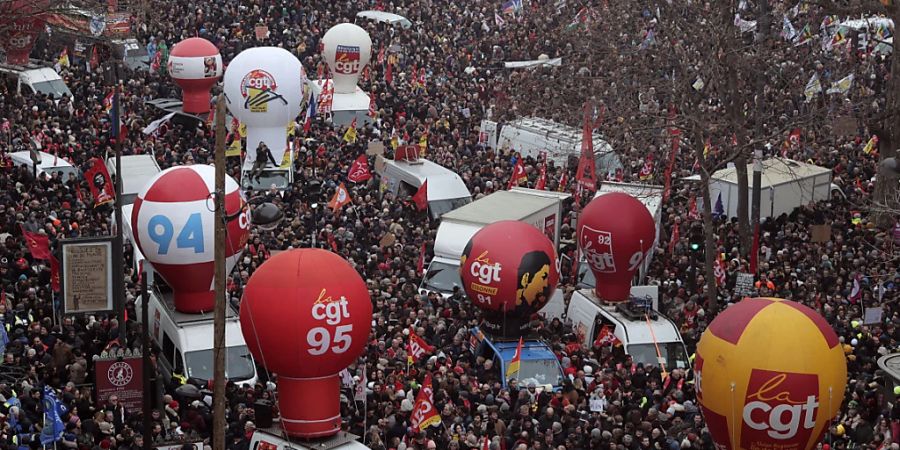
[(459, 225)]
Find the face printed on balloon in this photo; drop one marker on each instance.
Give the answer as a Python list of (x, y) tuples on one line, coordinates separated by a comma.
[(534, 279)]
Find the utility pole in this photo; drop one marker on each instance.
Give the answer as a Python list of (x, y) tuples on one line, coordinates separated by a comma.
[(118, 245), (754, 211), (219, 282), (145, 351)]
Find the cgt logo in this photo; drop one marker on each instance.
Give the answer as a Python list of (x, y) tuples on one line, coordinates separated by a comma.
[(346, 59), (331, 310), (484, 270), (779, 406), (598, 250)]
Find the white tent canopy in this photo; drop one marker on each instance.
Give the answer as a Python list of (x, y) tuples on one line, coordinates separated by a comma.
[(385, 17)]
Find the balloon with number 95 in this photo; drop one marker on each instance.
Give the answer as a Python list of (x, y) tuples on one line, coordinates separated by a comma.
[(306, 315)]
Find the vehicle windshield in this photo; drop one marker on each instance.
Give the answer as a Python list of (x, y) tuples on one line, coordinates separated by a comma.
[(269, 178), (540, 372), (442, 277), (52, 87), (672, 352), (238, 364), (438, 208)]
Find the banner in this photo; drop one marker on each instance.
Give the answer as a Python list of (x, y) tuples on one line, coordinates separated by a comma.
[(122, 378), (359, 170), (100, 183), (416, 348)]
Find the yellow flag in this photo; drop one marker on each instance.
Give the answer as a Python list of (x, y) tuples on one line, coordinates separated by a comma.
[(423, 144), (514, 365)]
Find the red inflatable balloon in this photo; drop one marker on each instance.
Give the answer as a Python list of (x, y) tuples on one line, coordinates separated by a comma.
[(196, 65), (306, 315), (509, 269), (615, 233)]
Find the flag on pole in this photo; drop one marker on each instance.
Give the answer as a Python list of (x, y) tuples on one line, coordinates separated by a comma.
[(424, 413), (63, 59), (607, 337), (805, 36), (856, 292), (518, 174), (676, 236), (100, 183), (310, 112), (359, 170), (341, 197), (54, 273), (871, 146), (416, 348), (563, 181), (350, 134), (719, 209), (841, 86), (38, 244), (720, 271), (373, 112), (516, 361), (813, 87), (586, 175), (541, 183), (647, 170), (420, 198), (693, 212), (53, 425), (359, 391)]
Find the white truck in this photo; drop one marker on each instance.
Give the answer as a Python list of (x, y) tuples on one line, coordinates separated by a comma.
[(532, 135), (544, 212), (646, 335), (271, 439)]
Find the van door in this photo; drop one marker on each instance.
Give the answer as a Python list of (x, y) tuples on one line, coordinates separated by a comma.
[(167, 356)]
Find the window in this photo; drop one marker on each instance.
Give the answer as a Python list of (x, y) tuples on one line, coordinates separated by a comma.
[(168, 347), (178, 363)]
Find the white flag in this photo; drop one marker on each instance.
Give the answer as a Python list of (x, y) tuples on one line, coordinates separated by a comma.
[(787, 29), (841, 86), (813, 87), (151, 129), (359, 393)]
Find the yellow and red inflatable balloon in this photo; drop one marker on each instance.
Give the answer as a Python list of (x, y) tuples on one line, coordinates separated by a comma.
[(770, 374)]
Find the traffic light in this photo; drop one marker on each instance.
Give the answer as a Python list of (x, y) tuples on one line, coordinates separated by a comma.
[(696, 237)]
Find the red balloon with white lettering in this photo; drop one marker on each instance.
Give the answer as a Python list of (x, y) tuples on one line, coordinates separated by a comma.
[(172, 224), (509, 269), (616, 233), (306, 315), (22, 28), (196, 66)]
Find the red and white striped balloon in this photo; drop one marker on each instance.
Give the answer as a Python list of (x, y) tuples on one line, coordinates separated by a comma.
[(173, 227)]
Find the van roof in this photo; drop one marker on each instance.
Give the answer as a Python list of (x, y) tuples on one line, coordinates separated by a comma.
[(197, 329), (444, 183), (660, 330), (648, 194), (47, 160), (501, 205), (531, 350), (139, 169)]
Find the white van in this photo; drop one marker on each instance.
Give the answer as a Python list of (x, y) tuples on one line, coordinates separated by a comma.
[(48, 164), (35, 79), (137, 171), (646, 335), (263, 440), (186, 342), (446, 190)]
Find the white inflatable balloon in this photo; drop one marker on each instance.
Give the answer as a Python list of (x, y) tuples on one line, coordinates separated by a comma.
[(347, 48), (264, 90)]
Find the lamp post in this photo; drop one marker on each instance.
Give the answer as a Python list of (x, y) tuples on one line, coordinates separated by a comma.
[(265, 215)]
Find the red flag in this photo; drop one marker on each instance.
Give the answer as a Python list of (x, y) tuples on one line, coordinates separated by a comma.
[(372, 109), (100, 183), (420, 198), (518, 174), (676, 235), (420, 265), (389, 75), (416, 348), (341, 197), (693, 214), (720, 271), (54, 273), (359, 170), (422, 77), (424, 414), (413, 77), (606, 337), (381, 55), (541, 183), (332, 243), (38, 244), (586, 176), (95, 59)]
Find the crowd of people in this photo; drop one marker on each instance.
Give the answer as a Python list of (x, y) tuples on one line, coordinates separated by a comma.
[(607, 402)]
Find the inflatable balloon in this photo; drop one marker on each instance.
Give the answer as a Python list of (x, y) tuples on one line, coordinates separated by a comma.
[(22, 29), (769, 374), (306, 315), (264, 89), (615, 234), (172, 221), (509, 269), (195, 64), (347, 48)]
